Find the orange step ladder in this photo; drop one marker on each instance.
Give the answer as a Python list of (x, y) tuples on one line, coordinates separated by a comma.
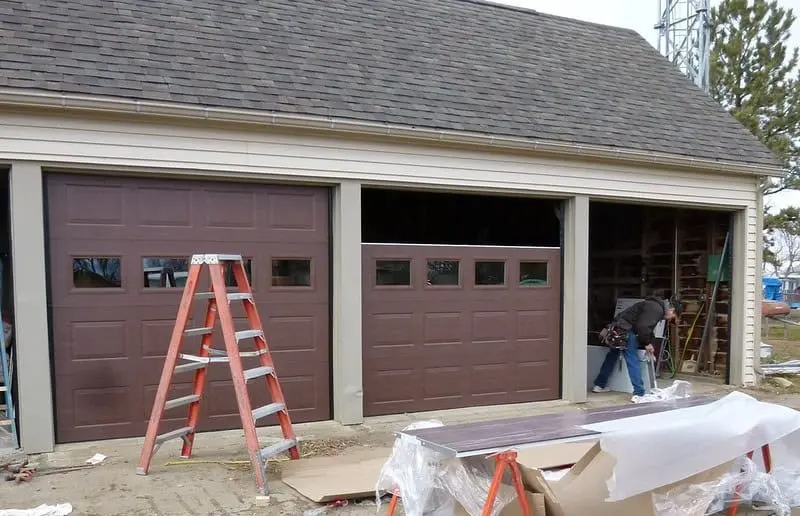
[(218, 307)]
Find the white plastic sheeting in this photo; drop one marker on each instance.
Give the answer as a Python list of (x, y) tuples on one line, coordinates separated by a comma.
[(655, 450), (61, 509), (430, 483), (746, 483), (679, 389)]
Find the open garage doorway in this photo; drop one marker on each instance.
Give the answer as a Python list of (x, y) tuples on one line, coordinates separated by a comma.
[(8, 380), (461, 300), (637, 251)]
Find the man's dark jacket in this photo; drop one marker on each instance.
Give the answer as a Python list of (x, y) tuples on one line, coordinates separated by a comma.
[(642, 318)]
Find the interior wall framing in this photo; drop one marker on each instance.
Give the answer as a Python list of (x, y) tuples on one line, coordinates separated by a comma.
[(641, 251)]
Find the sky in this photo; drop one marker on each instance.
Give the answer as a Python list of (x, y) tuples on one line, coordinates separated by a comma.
[(641, 16)]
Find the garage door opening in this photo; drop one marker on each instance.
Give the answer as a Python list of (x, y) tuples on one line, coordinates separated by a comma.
[(6, 311), (461, 300), (637, 251)]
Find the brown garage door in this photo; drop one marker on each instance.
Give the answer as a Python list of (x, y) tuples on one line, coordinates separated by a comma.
[(118, 248), (448, 327)]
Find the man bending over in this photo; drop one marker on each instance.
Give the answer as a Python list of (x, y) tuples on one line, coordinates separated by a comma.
[(630, 331)]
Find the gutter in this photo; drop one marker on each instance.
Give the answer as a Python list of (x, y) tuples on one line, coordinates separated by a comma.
[(108, 104)]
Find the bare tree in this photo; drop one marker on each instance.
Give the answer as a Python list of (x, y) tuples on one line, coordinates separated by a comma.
[(786, 247), (783, 238)]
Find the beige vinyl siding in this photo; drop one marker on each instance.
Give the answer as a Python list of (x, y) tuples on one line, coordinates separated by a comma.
[(158, 146)]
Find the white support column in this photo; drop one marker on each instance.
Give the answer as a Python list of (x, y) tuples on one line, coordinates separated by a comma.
[(759, 272), (30, 308), (347, 308), (745, 294), (576, 299)]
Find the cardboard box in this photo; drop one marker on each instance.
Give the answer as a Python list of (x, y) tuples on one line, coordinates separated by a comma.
[(582, 490)]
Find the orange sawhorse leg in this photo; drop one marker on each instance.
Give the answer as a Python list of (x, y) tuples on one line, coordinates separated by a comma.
[(766, 454), (503, 460)]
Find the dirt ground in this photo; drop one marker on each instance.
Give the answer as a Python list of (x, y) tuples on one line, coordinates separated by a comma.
[(196, 488)]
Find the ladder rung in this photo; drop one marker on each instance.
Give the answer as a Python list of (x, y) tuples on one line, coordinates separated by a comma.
[(221, 356), (3, 388), (257, 372), (5, 422), (180, 432), (246, 334), (267, 410), (191, 366), (279, 447), (198, 331), (179, 402), (232, 296)]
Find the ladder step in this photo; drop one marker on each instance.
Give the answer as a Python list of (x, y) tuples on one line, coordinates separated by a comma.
[(191, 366), (232, 296), (277, 448), (267, 410), (215, 258), (5, 422), (175, 434), (3, 388), (258, 372), (179, 402), (246, 334), (198, 331)]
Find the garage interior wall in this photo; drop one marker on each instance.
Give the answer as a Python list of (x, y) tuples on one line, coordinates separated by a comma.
[(637, 251)]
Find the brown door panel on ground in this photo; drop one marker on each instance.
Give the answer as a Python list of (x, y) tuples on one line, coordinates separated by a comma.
[(109, 342), (436, 339)]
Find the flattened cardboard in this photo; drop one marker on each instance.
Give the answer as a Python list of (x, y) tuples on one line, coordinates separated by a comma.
[(350, 475), (583, 489), (535, 503), (554, 456)]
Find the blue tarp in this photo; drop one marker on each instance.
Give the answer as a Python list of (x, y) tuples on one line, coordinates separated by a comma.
[(772, 288)]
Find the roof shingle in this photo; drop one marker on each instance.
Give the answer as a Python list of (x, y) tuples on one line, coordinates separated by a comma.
[(460, 65)]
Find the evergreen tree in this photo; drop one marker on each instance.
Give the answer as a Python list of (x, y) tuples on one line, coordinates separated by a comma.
[(754, 75)]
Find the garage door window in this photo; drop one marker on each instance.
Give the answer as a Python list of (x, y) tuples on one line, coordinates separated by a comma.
[(97, 272), (165, 272), (230, 280), (443, 273), (291, 272), (393, 272), (490, 273), (533, 274)]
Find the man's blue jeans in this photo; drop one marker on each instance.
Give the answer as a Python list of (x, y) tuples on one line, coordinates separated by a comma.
[(631, 359)]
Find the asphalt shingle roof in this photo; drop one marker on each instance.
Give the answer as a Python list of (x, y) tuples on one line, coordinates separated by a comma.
[(460, 65)]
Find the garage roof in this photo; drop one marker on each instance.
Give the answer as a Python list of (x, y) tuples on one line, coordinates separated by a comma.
[(462, 65)]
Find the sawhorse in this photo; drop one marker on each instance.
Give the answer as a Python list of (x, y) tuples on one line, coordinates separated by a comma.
[(508, 459), (503, 460), (766, 454)]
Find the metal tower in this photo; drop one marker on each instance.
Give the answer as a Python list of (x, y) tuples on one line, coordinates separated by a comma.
[(684, 37)]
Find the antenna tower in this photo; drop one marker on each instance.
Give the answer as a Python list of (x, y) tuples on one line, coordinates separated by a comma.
[(684, 37)]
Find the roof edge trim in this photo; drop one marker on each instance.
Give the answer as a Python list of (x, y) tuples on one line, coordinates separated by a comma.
[(107, 104)]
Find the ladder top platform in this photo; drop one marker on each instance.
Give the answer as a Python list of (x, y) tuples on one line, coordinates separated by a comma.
[(480, 438), (212, 259)]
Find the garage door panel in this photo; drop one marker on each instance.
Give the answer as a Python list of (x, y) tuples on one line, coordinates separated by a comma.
[(113, 320), (436, 338)]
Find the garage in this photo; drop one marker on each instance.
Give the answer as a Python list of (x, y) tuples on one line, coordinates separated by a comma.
[(118, 249), (462, 300)]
